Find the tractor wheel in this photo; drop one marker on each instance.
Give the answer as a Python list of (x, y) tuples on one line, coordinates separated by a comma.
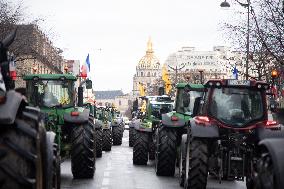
[(99, 142), (116, 135), (21, 149), (131, 136), (196, 164), (166, 152), (52, 162), (182, 157), (265, 174), (151, 150), (140, 149), (107, 140), (83, 154)]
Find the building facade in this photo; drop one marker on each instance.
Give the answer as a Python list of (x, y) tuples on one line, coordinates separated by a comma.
[(147, 70), (189, 64), (35, 53)]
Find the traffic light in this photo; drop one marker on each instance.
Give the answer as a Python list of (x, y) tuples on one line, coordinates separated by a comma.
[(274, 75)]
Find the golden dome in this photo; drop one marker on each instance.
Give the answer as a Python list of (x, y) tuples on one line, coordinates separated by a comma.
[(149, 61)]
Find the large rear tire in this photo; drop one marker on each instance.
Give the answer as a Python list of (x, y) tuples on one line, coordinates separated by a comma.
[(21, 150), (182, 157), (116, 135), (196, 164), (131, 136), (166, 152), (140, 148), (107, 140), (99, 142), (83, 153)]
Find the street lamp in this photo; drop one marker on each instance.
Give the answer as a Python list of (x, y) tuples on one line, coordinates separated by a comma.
[(225, 4)]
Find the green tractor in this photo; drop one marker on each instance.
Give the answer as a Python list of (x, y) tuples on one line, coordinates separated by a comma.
[(54, 94), (117, 127), (103, 119), (173, 126), (144, 146)]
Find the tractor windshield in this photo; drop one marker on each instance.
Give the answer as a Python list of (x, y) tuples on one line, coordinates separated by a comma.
[(185, 101), (51, 93), (236, 106), (158, 109)]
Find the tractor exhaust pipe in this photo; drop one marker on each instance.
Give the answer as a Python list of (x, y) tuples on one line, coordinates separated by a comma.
[(80, 96)]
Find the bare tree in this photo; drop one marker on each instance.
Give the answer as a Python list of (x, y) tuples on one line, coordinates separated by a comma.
[(265, 37)]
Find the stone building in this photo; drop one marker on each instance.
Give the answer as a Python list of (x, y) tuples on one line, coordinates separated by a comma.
[(147, 70), (189, 64), (34, 53)]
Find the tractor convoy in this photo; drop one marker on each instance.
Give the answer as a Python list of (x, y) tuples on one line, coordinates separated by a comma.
[(220, 129)]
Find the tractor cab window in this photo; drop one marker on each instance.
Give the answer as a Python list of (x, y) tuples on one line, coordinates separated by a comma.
[(236, 106), (51, 93), (185, 100), (158, 109)]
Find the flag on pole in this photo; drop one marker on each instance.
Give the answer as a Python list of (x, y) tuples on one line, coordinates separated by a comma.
[(235, 73), (88, 65), (85, 68)]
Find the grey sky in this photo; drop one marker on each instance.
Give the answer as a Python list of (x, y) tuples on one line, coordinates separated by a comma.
[(121, 29)]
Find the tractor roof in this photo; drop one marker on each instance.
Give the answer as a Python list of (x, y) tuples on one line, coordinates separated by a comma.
[(50, 77), (237, 83), (191, 85)]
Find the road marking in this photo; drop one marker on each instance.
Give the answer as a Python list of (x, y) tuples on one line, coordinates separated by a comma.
[(105, 181)]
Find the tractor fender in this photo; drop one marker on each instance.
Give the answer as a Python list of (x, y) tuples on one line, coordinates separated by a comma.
[(9, 109), (167, 122), (98, 124), (83, 117), (106, 125), (131, 124), (276, 151), (199, 130), (116, 122), (138, 125)]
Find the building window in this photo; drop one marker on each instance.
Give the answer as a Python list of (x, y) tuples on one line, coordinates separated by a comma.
[(141, 74), (148, 74), (119, 102), (155, 74)]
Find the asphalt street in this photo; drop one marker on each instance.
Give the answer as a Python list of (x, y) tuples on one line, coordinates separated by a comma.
[(116, 171)]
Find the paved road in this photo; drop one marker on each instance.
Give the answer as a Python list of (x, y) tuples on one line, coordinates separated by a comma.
[(116, 171)]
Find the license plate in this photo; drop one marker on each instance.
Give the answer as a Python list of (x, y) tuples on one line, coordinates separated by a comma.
[(238, 82)]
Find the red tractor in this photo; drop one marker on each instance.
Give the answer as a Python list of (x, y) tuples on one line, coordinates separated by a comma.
[(223, 139)]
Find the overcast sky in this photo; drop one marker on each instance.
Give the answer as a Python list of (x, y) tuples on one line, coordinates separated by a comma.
[(121, 29)]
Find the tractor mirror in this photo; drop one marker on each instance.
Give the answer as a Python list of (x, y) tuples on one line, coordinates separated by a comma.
[(272, 107), (196, 106), (186, 99), (64, 84), (88, 84)]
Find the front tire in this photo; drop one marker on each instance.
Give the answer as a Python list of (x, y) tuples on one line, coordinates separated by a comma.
[(116, 135), (182, 159), (131, 136), (99, 142), (83, 151), (140, 148), (166, 152), (107, 140), (196, 164), (22, 146)]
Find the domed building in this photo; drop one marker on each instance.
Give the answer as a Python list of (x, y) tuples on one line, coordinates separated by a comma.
[(147, 70)]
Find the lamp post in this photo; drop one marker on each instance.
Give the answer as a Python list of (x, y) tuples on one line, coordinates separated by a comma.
[(176, 69), (225, 4)]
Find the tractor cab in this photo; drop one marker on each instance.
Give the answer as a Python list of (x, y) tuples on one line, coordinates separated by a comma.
[(236, 104), (47, 91)]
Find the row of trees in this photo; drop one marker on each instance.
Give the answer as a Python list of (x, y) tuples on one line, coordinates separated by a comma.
[(266, 36)]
